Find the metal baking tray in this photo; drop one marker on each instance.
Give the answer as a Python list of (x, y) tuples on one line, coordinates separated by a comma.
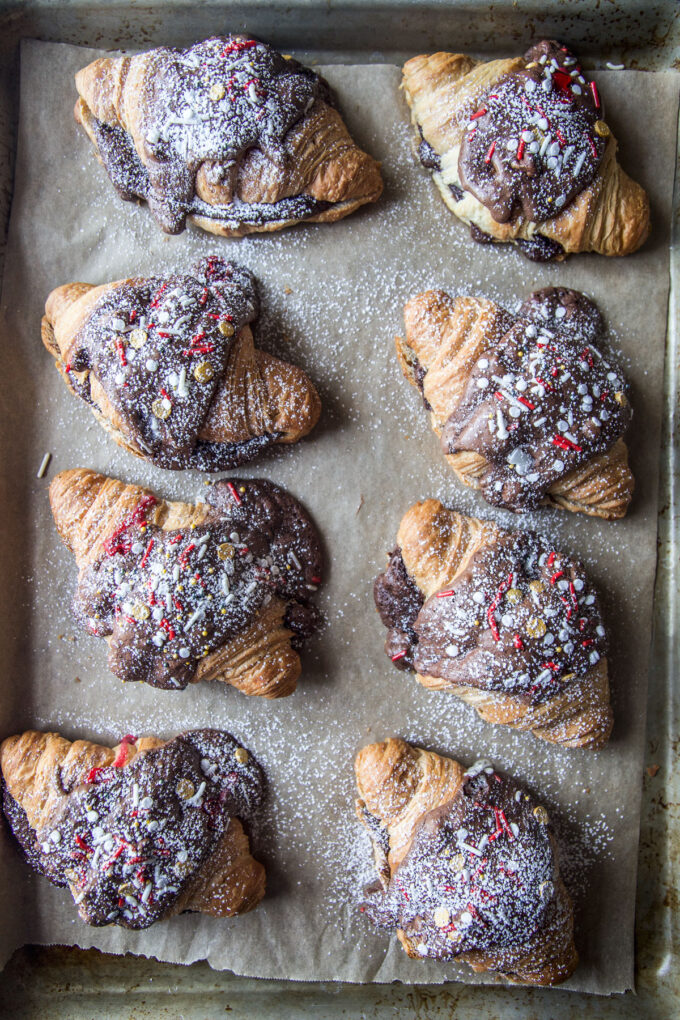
[(645, 34)]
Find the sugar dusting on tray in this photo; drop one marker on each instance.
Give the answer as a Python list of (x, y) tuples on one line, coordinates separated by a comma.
[(331, 302)]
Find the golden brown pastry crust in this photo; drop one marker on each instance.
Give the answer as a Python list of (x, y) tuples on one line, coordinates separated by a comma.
[(437, 545), (89, 507), (259, 395), (38, 768), (610, 217), (399, 785), (447, 337), (322, 161)]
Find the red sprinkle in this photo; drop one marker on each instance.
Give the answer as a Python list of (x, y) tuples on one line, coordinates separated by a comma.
[(566, 444), (147, 552), (121, 757), (593, 148), (445, 594), (596, 98), (492, 149), (479, 113), (517, 641), (551, 558), (120, 347), (520, 149), (527, 403), (232, 490), (82, 844), (558, 573), (399, 655)]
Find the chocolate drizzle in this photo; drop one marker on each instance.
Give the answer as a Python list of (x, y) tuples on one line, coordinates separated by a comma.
[(167, 599), (398, 600), (207, 107), (541, 402), (480, 874), (130, 840), (158, 348), (532, 142), (520, 619)]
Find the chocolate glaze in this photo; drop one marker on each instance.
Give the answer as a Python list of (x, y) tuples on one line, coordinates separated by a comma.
[(166, 599), (480, 873), (398, 600), (542, 402), (130, 840), (210, 105), (159, 348), (522, 619), (531, 144)]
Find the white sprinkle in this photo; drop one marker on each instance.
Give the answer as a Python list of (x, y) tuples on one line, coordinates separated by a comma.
[(184, 653), (43, 465), (452, 650), (482, 383), (580, 161), (151, 365), (294, 560), (195, 616)]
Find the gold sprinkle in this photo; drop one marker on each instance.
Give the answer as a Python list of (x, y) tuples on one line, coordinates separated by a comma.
[(203, 372), (181, 868), (225, 551), (546, 889), (161, 409), (458, 862), (601, 129), (536, 628), (138, 338), (541, 814), (534, 63), (241, 489), (537, 587), (217, 91), (185, 789), (226, 328), (513, 595), (567, 676), (241, 755), (441, 917), (126, 889), (621, 399), (140, 612)]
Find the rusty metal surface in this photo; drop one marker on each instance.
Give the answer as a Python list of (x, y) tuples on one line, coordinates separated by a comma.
[(55, 982)]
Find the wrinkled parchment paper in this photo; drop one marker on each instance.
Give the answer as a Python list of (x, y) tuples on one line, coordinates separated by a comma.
[(332, 299)]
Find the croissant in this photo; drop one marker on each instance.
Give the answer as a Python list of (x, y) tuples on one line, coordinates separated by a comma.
[(169, 368), (141, 831), (182, 593), (527, 408), (467, 864), (228, 133), (519, 150), (501, 620)]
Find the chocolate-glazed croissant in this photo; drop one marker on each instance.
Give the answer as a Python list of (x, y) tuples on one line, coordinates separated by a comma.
[(501, 620), (527, 408), (228, 133), (216, 591), (520, 151), (141, 831), (168, 366), (467, 864)]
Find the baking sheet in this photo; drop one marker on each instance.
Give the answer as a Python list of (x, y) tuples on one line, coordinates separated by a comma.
[(332, 298)]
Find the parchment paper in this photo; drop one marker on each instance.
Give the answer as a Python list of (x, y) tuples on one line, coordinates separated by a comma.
[(333, 297)]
